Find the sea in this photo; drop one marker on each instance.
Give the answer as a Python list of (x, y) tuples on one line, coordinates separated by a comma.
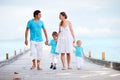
[(109, 45)]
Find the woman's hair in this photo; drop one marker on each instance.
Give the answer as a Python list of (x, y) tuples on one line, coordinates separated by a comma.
[(63, 14), (54, 33), (36, 12)]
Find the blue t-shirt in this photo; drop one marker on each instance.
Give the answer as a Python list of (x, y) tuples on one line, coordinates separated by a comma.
[(79, 51), (53, 45), (35, 30)]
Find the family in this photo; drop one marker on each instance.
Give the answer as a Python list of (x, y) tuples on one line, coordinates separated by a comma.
[(62, 42)]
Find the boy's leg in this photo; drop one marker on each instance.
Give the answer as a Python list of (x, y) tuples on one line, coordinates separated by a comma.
[(55, 61), (52, 60)]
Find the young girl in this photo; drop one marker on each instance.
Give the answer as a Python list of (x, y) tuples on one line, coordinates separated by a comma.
[(79, 54), (54, 54)]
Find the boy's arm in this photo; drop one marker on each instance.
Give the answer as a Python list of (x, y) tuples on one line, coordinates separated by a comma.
[(45, 33)]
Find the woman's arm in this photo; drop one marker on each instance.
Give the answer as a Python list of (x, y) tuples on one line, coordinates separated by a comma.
[(72, 32)]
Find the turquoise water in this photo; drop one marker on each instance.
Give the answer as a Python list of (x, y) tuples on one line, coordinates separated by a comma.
[(8, 46), (111, 47)]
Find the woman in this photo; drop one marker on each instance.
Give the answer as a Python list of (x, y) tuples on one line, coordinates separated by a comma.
[(65, 39)]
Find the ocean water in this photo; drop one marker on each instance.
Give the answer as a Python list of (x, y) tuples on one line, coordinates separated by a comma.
[(9, 46), (111, 47)]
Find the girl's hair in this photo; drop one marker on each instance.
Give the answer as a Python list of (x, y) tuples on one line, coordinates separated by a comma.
[(78, 41), (54, 33), (63, 14)]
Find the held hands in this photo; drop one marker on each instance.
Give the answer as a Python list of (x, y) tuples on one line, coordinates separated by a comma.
[(73, 40), (46, 42)]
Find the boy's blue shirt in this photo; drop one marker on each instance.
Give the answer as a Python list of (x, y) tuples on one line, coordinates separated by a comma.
[(79, 51), (35, 30), (53, 45)]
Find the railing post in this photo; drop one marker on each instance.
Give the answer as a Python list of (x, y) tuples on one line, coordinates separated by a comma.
[(103, 55), (7, 56), (20, 50), (89, 54), (15, 52)]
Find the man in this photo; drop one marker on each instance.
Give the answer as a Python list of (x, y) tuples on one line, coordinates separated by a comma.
[(35, 26)]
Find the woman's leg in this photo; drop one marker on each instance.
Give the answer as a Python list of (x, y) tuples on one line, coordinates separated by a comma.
[(68, 60), (63, 60)]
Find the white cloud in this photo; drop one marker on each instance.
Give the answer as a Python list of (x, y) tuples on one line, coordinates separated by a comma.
[(14, 16), (109, 21), (84, 31)]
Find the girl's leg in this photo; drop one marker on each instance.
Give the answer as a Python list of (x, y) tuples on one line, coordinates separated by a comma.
[(78, 62), (68, 60), (63, 60)]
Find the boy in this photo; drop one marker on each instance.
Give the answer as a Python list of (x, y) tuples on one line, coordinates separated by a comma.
[(54, 54)]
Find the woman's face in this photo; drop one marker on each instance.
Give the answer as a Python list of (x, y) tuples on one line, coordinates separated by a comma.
[(61, 17)]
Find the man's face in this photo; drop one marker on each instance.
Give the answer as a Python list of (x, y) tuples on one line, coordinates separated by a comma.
[(38, 16)]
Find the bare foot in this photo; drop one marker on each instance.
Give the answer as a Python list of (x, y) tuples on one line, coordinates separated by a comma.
[(33, 67), (39, 68), (63, 68), (69, 67), (78, 68)]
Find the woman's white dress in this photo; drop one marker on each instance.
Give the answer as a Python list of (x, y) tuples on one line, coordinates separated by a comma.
[(65, 41)]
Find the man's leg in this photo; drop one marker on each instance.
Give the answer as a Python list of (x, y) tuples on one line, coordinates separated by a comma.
[(32, 47), (39, 54)]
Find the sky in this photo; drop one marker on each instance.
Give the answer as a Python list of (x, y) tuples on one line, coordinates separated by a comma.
[(89, 18)]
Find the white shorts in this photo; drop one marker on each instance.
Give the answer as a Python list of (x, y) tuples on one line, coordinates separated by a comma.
[(54, 58), (79, 62), (36, 50)]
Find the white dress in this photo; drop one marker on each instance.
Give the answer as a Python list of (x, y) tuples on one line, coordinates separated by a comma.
[(65, 41)]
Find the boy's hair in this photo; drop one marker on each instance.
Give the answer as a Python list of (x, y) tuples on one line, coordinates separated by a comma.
[(36, 12), (54, 33)]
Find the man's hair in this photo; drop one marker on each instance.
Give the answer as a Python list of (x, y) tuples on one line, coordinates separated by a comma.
[(54, 33), (36, 12)]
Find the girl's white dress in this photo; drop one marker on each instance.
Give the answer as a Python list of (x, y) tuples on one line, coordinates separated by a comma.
[(65, 41)]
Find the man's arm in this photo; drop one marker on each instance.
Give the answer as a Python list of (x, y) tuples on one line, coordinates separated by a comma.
[(26, 36), (45, 33)]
